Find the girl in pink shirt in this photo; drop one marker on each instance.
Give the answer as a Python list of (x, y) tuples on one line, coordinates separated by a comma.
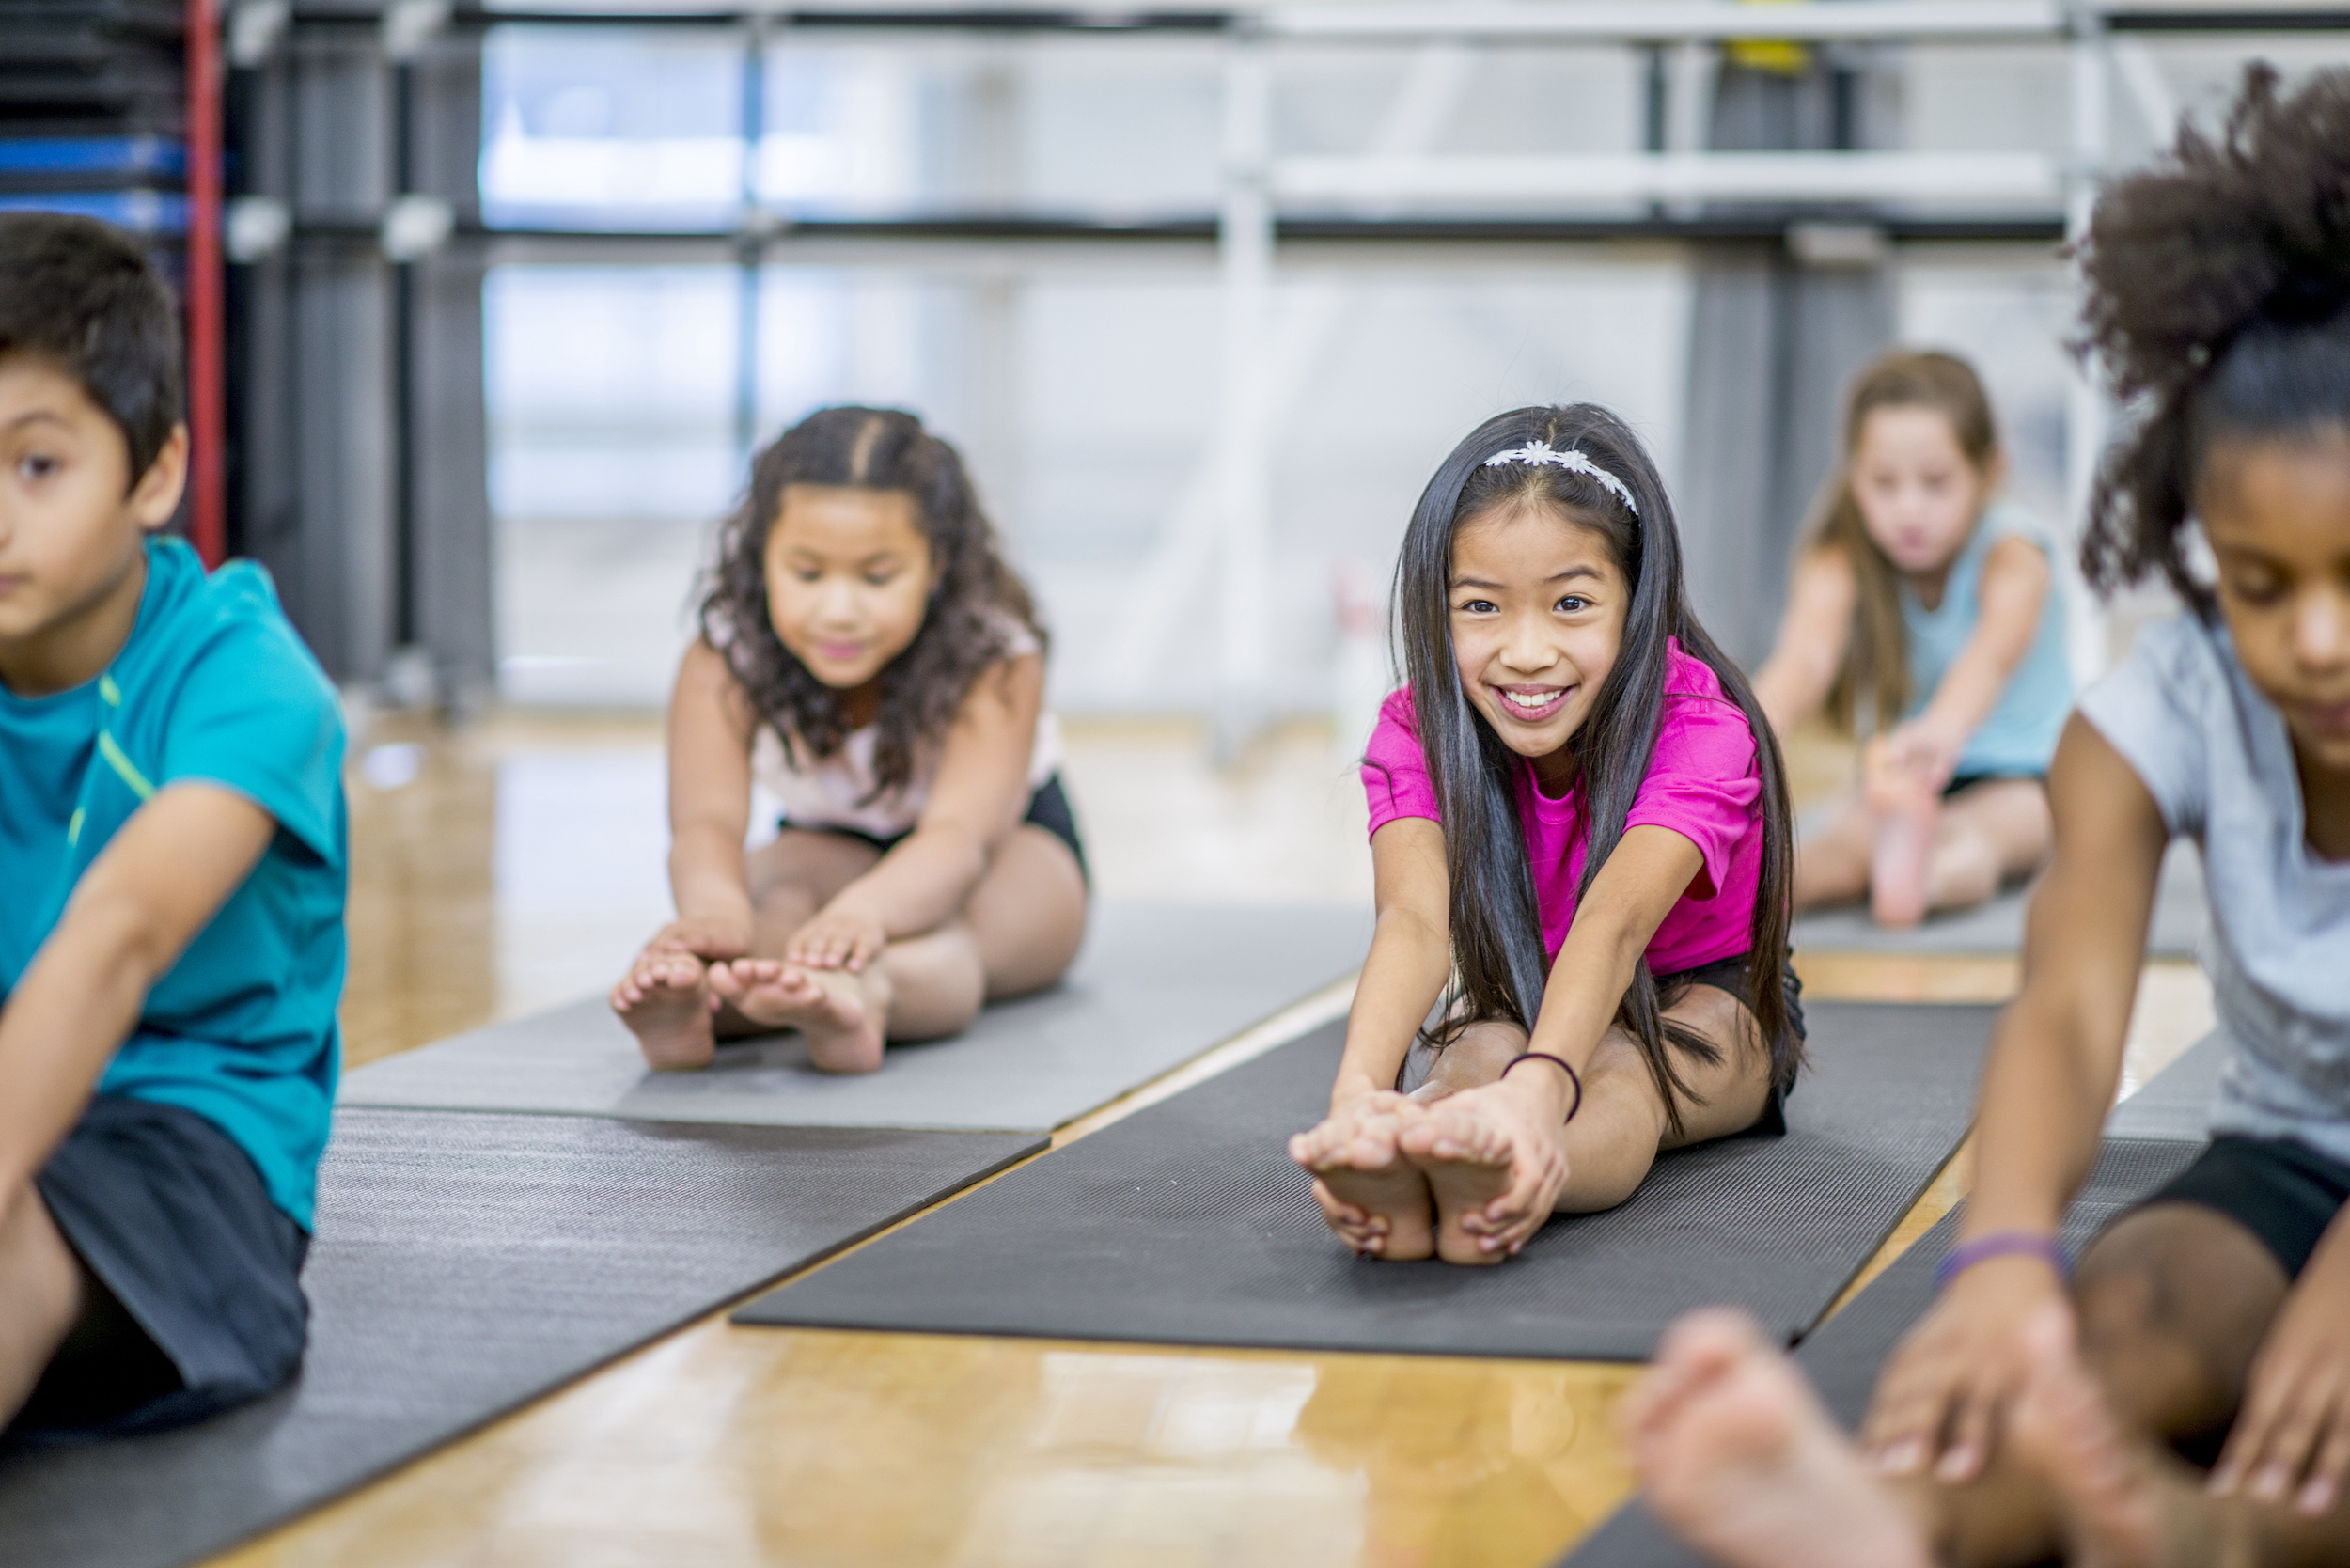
[(1579, 831)]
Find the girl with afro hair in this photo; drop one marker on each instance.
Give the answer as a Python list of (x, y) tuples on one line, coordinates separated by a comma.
[(2180, 1394)]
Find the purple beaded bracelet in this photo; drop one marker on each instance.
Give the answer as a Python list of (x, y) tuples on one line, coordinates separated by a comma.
[(1573, 1076), (2002, 1244)]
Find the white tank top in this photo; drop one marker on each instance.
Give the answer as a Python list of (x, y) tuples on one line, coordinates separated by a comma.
[(830, 792)]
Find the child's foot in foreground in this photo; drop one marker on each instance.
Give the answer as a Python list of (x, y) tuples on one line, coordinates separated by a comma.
[(2125, 1506), (1738, 1459), (1901, 814), (1479, 1147), (665, 1002), (1376, 1200), (841, 1015)]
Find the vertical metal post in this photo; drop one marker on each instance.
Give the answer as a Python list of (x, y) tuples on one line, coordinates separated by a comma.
[(751, 244), (206, 296), (1244, 257), (2088, 415)]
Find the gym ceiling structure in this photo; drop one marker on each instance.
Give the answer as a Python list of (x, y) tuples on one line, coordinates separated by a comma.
[(356, 249)]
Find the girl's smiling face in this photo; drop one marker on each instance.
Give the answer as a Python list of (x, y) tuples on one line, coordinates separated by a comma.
[(2277, 513), (1918, 494), (1537, 608), (849, 579)]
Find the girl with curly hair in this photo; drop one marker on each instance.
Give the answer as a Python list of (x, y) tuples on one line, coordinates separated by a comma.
[(1924, 610), (1580, 842), (2180, 1394), (867, 657)]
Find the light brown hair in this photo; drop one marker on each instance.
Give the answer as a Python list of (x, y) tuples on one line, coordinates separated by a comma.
[(1876, 655)]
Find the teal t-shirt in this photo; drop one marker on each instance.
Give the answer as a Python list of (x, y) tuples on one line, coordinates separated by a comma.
[(2019, 736), (214, 684)]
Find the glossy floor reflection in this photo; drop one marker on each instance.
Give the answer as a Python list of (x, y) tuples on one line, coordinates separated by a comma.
[(519, 864)]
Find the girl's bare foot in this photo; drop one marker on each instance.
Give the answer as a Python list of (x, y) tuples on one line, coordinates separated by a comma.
[(1376, 1200), (1477, 1149), (2125, 1506), (1737, 1458), (665, 1002), (1901, 814), (841, 1015)]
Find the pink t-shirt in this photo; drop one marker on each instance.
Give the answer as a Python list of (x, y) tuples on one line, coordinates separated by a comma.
[(1702, 783)]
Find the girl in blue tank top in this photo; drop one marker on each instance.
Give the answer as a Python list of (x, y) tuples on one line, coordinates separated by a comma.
[(1926, 615)]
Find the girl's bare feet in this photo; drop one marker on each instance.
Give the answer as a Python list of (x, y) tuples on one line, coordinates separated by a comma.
[(2124, 1505), (1903, 809), (1495, 1170), (665, 1002), (1376, 1200), (1737, 1458), (842, 1015)]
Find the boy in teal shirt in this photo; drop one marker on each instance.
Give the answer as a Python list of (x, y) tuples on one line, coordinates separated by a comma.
[(172, 865)]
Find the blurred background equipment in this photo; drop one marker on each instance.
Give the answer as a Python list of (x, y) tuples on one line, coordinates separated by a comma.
[(1202, 292)]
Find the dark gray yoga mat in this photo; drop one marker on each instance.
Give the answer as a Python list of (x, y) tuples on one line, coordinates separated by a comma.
[(466, 1264), (2176, 1103), (1998, 925), (1843, 1357), (1187, 1223), (1155, 986)]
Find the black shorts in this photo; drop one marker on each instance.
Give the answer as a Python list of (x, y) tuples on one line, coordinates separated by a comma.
[(1968, 780), (1048, 809), (191, 1294), (1730, 974), (2285, 1193)]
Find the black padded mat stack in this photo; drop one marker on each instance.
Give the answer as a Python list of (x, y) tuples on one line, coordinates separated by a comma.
[(466, 1264), (1187, 1223), (1843, 1357)]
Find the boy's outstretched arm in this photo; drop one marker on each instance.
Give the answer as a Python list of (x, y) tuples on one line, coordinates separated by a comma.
[(155, 886), (2055, 1058)]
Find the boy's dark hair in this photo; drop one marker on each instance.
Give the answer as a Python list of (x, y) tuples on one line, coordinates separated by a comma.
[(1498, 962), (85, 296), (965, 628), (2220, 302)]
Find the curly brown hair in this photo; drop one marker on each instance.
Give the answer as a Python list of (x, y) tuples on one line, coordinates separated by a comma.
[(2219, 286), (965, 628)]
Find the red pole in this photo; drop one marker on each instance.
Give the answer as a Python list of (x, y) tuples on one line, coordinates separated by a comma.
[(206, 313)]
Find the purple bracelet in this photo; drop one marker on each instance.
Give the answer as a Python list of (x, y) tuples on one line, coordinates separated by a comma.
[(1573, 1076), (2002, 1244)]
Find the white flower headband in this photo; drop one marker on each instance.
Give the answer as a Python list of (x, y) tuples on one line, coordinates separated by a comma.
[(1572, 460)]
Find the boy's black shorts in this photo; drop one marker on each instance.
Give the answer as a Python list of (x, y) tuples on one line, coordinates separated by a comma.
[(191, 1276), (2285, 1193)]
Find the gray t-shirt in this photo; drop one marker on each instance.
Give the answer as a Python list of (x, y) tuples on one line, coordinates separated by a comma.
[(2215, 756)]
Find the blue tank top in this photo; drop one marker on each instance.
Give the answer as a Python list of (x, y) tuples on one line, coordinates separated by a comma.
[(2020, 734)]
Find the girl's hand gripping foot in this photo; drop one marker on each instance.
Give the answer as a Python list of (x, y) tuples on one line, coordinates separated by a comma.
[(836, 939), (1496, 1158), (666, 1001), (1939, 1403), (842, 1016), (1372, 1197), (1738, 1459)]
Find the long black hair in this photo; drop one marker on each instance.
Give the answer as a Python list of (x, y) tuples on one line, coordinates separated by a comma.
[(965, 628), (2220, 305), (1499, 963)]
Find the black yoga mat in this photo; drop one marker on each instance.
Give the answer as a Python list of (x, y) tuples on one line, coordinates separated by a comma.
[(466, 1264), (1187, 1224)]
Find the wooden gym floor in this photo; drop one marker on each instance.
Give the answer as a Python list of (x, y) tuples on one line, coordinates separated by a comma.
[(518, 865)]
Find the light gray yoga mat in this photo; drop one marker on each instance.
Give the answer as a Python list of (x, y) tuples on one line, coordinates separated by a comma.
[(1155, 986), (466, 1264), (1187, 1223), (1998, 925), (1845, 1355)]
